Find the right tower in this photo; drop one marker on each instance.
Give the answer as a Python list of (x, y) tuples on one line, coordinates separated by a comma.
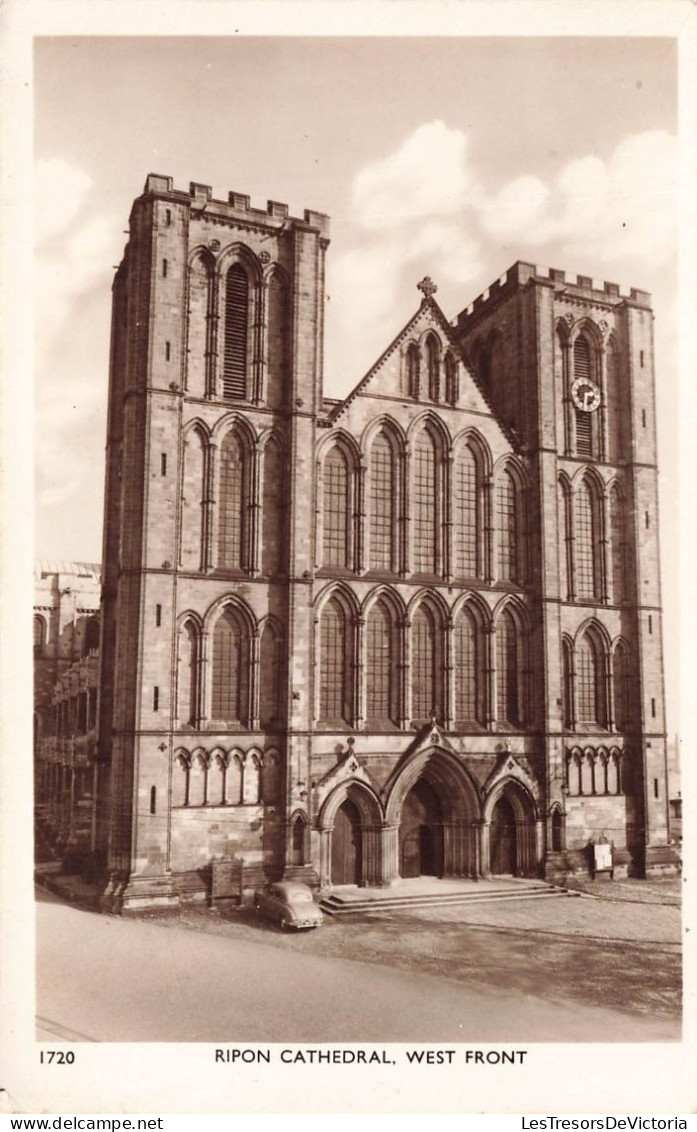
[(567, 363)]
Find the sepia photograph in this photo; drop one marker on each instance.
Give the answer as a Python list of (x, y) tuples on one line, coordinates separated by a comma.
[(356, 604)]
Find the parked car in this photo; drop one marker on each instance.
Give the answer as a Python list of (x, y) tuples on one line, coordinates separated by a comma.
[(289, 903)]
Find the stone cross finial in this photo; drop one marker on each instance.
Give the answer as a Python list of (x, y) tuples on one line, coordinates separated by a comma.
[(427, 287)]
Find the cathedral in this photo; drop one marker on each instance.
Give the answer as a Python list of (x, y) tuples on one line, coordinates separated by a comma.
[(413, 632)]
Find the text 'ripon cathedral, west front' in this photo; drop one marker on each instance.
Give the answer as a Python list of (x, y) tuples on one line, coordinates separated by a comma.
[(412, 632)]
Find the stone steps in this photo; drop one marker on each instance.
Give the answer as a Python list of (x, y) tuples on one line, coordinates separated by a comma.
[(337, 905)]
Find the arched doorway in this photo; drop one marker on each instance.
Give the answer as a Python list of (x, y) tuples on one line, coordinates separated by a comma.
[(421, 832), (347, 845), (503, 838)]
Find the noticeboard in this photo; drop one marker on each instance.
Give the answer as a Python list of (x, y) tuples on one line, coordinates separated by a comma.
[(602, 857)]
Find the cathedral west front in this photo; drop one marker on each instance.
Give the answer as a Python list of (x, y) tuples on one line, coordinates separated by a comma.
[(412, 632)]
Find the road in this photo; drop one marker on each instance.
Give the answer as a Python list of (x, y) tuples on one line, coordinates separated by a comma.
[(105, 979)]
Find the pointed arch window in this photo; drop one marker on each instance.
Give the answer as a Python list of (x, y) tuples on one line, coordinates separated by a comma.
[(39, 635), (382, 504), (230, 675), (232, 503), (587, 543), (198, 328), (467, 491), (451, 389), (426, 666), (269, 677), (236, 332), (469, 669), (424, 503), (590, 682), (382, 684), (277, 340), (273, 509), (564, 528), (336, 509), (617, 545), (508, 670), (614, 404), (621, 687), (336, 664), (298, 840), (191, 543), (583, 368), (509, 506), (413, 371), (433, 367), (567, 685), (187, 675)]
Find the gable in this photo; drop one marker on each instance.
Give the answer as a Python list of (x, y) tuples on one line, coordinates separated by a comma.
[(422, 366)]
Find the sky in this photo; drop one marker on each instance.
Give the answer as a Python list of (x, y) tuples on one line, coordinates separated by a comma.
[(447, 156)]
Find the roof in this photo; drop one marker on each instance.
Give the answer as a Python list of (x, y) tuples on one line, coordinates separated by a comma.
[(46, 566)]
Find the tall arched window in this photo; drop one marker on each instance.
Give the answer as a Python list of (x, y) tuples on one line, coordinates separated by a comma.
[(424, 504), (336, 509), (510, 544), (469, 669), (269, 677), (426, 665), (564, 527), (191, 543), (413, 371), (187, 675), (382, 504), (451, 390), (277, 341), (273, 509), (230, 676), (235, 382), (567, 690), (621, 687), (433, 367), (614, 404), (508, 670), (197, 352), (617, 545), (587, 542), (584, 422), (336, 664), (39, 635), (231, 506), (382, 657), (298, 840), (467, 492), (590, 682)]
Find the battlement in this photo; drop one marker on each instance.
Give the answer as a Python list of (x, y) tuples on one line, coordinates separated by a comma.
[(580, 286), (201, 198)]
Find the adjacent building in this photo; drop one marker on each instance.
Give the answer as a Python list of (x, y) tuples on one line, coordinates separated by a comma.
[(416, 631), (66, 676)]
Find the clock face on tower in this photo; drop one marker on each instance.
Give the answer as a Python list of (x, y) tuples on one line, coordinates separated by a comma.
[(585, 394)]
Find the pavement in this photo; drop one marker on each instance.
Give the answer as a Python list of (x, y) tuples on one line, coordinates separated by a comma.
[(528, 970)]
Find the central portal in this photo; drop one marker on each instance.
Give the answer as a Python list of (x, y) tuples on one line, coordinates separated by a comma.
[(421, 833)]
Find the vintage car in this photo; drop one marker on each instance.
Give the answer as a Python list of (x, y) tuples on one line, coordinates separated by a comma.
[(289, 903)]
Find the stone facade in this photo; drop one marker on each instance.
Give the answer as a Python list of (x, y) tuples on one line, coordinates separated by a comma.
[(66, 676), (415, 631)]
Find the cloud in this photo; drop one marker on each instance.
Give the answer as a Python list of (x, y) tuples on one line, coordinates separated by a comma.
[(60, 191), (427, 176), (624, 208), (75, 248)]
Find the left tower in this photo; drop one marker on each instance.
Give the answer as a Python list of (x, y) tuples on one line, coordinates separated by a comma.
[(215, 386)]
